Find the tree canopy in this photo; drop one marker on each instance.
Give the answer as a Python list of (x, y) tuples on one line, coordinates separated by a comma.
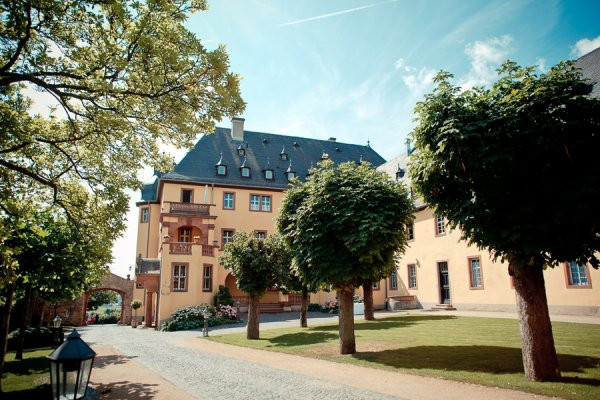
[(125, 77), (102, 297), (345, 224), (514, 166)]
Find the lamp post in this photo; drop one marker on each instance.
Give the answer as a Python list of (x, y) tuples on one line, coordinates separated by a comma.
[(56, 323), (70, 368), (237, 306)]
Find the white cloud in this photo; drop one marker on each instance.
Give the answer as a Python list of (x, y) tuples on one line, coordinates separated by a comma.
[(399, 63), (584, 46), (485, 57), (419, 82), (541, 63)]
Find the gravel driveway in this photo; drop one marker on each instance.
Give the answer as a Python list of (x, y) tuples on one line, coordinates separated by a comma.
[(208, 375)]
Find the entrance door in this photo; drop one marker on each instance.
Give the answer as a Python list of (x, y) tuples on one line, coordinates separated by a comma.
[(444, 282)]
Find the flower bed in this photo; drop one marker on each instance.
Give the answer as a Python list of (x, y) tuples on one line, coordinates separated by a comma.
[(193, 317)]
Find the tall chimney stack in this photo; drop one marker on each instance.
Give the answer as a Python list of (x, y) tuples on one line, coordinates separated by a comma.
[(237, 128)]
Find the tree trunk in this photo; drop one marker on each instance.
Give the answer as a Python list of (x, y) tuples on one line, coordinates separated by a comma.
[(304, 308), (346, 320), (253, 317), (368, 299), (4, 326), (23, 322), (539, 355)]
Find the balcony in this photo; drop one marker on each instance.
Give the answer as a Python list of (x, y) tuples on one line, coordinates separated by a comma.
[(186, 248), (189, 208)]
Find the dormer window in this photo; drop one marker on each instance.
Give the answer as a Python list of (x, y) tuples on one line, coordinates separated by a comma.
[(241, 151), (324, 156), (269, 174), (290, 173), (221, 168), (399, 173), (245, 171), (283, 155)]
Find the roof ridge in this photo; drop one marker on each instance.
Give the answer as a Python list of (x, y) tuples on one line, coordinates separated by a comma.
[(296, 137)]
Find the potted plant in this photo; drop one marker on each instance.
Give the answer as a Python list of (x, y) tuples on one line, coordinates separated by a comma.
[(359, 306), (135, 305)]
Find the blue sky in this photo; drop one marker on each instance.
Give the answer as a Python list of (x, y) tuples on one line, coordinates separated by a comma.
[(355, 69)]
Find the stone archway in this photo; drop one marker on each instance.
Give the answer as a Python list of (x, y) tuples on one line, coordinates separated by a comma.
[(124, 287)]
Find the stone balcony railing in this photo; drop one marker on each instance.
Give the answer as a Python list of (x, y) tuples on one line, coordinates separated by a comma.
[(186, 248), (188, 208)]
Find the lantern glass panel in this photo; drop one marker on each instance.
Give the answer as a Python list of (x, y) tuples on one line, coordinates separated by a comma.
[(68, 372), (53, 377), (86, 366)]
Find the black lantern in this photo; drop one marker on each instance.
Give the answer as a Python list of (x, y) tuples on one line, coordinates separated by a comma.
[(70, 368), (56, 330)]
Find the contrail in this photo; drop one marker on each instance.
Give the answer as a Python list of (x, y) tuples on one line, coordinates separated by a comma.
[(333, 14)]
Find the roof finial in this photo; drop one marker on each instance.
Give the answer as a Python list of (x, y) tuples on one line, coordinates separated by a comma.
[(220, 162), (368, 143), (360, 159), (243, 163), (289, 169)]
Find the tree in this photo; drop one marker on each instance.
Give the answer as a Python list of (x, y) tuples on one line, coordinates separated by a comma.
[(257, 265), (54, 262), (515, 168), (291, 283), (102, 297), (344, 225), (125, 77), (135, 305)]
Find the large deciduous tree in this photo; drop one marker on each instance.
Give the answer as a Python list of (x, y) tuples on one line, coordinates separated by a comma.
[(345, 225), (257, 265), (515, 167), (123, 77), (51, 260)]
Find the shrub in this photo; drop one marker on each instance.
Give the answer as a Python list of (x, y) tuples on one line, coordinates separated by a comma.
[(357, 299), (109, 318), (227, 312), (223, 297), (315, 307), (34, 337), (192, 317)]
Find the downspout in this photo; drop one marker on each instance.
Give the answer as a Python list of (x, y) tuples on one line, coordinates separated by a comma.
[(149, 222), (386, 294)]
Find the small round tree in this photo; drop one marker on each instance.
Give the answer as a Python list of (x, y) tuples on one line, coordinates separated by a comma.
[(516, 168), (135, 305), (257, 265), (344, 225)]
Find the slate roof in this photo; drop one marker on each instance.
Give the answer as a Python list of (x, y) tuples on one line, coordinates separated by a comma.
[(148, 266), (391, 167), (590, 69), (262, 150)]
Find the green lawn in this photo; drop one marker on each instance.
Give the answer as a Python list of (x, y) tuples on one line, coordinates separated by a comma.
[(478, 350), (29, 378)]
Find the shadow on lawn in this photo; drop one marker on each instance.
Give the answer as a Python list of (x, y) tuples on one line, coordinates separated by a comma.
[(486, 359)]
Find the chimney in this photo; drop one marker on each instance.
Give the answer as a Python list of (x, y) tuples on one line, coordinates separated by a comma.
[(237, 128), (332, 139)]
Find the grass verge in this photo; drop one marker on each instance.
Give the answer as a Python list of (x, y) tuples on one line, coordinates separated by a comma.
[(28, 378), (485, 351)]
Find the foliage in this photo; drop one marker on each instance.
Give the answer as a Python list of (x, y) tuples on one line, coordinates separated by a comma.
[(357, 299), (345, 224), (102, 297), (193, 317), (136, 304), (223, 297), (514, 166), (109, 318), (124, 77), (34, 337), (257, 265), (315, 307)]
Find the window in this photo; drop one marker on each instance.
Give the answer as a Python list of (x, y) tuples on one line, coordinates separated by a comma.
[(229, 201), (394, 280), (245, 172), (412, 276), (410, 232), (440, 227), (376, 285), (187, 195), (260, 203), (227, 236), (179, 277), (261, 235), (269, 174), (145, 214), (207, 278), (290, 175), (577, 275), (221, 170), (475, 273), (185, 234)]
